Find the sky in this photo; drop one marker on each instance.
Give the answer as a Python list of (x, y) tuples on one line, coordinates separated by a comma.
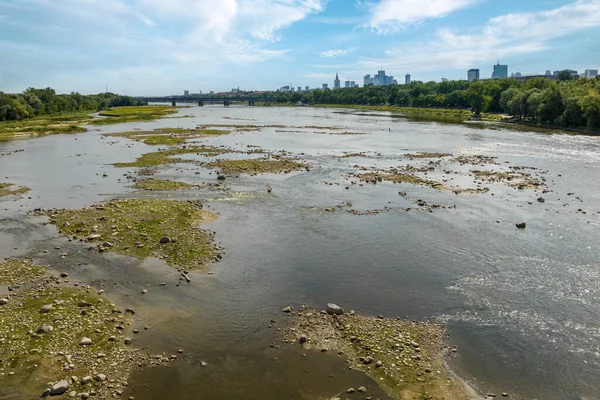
[(163, 47)]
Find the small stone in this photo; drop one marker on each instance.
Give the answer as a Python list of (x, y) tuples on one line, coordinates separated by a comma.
[(44, 329), (362, 389), (85, 342), (3, 301), (521, 225), (165, 239), (85, 396), (59, 388), (378, 364), (203, 363), (144, 291), (287, 309), (72, 394), (302, 339), (46, 393), (351, 390), (86, 379), (334, 309), (180, 351), (221, 177), (127, 340), (45, 309), (100, 378), (504, 394), (63, 274)]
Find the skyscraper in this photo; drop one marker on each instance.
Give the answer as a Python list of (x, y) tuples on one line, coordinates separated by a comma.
[(381, 78), (500, 71), (307, 88), (325, 86), (336, 82), (407, 79), (591, 73), (367, 80), (473, 75), (347, 84)]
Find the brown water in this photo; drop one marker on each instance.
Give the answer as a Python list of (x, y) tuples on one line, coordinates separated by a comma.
[(522, 306)]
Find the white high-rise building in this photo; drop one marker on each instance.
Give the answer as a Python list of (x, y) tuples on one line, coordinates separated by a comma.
[(590, 73)]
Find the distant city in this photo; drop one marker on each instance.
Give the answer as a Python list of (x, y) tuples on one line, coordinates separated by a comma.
[(499, 71)]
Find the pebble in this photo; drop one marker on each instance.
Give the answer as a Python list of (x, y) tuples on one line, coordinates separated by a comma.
[(3, 301), (362, 389), (287, 309), (85, 341), (351, 390), (86, 379), (165, 239), (144, 291), (521, 225), (45, 309), (44, 329), (100, 378)]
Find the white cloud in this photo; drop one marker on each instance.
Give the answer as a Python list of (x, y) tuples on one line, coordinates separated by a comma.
[(389, 16), (508, 35), (337, 52)]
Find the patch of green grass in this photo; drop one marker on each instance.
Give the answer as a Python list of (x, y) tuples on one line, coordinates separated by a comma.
[(169, 136), (9, 189), (19, 271), (428, 155), (119, 115), (258, 166), (163, 185), (135, 227), (167, 156)]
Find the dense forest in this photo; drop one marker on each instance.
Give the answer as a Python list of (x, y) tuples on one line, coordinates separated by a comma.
[(564, 103), (36, 102)]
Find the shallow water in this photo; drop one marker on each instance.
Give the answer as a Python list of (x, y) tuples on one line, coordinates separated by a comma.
[(522, 305)]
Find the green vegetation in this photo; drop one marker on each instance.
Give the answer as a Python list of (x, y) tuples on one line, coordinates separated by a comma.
[(169, 136), (132, 114), (38, 102), (166, 157), (163, 185), (396, 177), (167, 229), (17, 272), (258, 166), (565, 103), (46, 125), (41, 328), (9, 189)]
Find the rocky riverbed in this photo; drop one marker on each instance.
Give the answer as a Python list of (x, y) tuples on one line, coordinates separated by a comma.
[(60, 337), (406, 358)]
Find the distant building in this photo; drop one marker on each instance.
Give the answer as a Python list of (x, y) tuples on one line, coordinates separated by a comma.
[(516, 75), (590, 73), (500, 71), (473, 75), (235, 90), (347, 84), (186, 93), (325, 86), (336, 82), (407, 79), (199, 91), (306, 88), (444, 79), (573, 73), (367, 80), (299, 88), (285, 89), (352, 84), (548, 72)]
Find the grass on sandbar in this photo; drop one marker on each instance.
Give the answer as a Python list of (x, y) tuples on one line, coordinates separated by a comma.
[(258, 166), (9, 189), (167, 156), (138, 227), (161, 185)]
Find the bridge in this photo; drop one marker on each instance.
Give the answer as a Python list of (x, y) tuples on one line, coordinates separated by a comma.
[(201, 100)]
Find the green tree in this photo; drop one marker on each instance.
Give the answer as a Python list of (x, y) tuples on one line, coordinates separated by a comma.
[(476, 97)]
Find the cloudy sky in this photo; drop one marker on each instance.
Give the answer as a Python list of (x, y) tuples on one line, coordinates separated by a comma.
[(144, 47)]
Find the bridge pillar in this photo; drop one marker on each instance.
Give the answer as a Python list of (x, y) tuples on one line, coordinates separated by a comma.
[(226, 103), (174, 103), (200, 103)]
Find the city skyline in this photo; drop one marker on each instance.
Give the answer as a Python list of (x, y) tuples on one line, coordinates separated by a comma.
[(157, 47)]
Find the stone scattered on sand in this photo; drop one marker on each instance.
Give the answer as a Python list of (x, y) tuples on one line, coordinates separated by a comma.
[(3, 301), (85, 341), (100, 378), (362, 389), (44, 329), (521, 225)]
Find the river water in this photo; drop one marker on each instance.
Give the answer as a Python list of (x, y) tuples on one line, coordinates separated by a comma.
[(521, 305)]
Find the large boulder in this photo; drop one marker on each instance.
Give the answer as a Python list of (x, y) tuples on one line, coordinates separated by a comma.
[(334, 309), (59, 388)]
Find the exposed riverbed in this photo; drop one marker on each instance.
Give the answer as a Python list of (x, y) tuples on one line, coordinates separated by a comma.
[(521, 305)]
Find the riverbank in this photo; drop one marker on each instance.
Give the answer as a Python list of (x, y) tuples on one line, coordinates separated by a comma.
[(461, 114), (407, 359)]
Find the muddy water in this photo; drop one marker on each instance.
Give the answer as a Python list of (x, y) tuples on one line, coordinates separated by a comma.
[(522, 305)]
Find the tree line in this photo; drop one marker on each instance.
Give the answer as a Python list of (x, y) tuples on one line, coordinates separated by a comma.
[(573, 103), (37, 102)]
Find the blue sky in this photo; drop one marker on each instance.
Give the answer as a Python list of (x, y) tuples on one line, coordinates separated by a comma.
[(144, 47)]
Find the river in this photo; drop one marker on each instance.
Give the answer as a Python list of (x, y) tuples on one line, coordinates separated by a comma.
[(522, 306)]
